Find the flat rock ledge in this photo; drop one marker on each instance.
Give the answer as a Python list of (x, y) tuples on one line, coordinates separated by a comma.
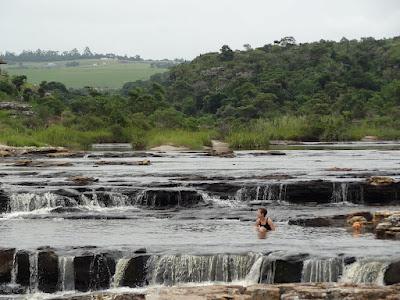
[(253, 292)]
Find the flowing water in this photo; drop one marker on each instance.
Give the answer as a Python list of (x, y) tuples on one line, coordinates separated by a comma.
[(206, 233)]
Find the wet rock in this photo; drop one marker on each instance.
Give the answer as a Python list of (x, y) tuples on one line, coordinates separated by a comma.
[(83, 180), (144, 162), (333, 221), (389, 227), (4, 153), (317, 191), (292, 291), (104, 295), (40, 164), (268, 153), (282, 269), (380, 180), (69, 154), (136, 272), (159, 198), (4, 200), (11, 290), (392, 273), (93, 271), (6, 264), (47, 271), (336, 169), (23, 270)]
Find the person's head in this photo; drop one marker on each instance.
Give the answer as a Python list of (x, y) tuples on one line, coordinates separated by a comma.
[(261, 212)]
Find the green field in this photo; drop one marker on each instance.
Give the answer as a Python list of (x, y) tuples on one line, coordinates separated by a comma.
[(90, 72)]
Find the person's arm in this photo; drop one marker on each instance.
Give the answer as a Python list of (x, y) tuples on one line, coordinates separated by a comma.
[(257, 223), (271, 224)]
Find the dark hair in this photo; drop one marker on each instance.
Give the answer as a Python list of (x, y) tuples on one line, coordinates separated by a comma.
[(263, 211)]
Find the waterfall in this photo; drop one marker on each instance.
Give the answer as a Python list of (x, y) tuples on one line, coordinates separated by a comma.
[(173, 269), (33, 271), (339, 192), (14, 270), (268, 268), (26, 202), (86, 201), (254, 274), (66, 279), (268, 192), (365, 271), (120, 268), (322, 270)]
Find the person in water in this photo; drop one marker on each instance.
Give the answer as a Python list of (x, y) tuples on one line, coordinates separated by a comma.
[(264, 223)]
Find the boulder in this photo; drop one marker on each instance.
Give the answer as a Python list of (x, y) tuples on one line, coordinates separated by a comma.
[(47, 271), (392, 273), (6, 264), (284, 269), (93, 271), (135, 272), (23, 270)]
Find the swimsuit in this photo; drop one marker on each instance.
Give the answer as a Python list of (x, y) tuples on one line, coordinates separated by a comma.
[(266, 225)]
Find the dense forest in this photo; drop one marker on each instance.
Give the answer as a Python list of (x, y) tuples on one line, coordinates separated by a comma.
[(324, 90)]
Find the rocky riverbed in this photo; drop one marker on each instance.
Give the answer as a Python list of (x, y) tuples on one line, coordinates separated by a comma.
[(102, 220)]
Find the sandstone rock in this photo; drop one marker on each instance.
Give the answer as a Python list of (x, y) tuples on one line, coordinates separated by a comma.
[(380, 180), (221, 149), (359, 219), (4, 153), (169, 148)]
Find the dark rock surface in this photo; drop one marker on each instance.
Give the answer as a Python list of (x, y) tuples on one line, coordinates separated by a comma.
[(160, 198), (48, 271), (6, 264), (135, 272)]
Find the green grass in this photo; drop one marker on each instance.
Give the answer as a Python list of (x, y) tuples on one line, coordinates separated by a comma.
[(54, 136), (106, 74), (177, 137), (248, 140)]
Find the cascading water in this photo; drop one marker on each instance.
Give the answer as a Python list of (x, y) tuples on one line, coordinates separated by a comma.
[(14, 270), (254, 274), (339, 192), (119, 272), (173, 269), (66, 279), (365, 271), (33, 271), (322, 269), (268, 192), (25, 202)]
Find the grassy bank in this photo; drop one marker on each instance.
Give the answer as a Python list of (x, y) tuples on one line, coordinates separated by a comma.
[(253, 136)]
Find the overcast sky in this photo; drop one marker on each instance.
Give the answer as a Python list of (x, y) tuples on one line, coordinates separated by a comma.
[(186, 28)]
